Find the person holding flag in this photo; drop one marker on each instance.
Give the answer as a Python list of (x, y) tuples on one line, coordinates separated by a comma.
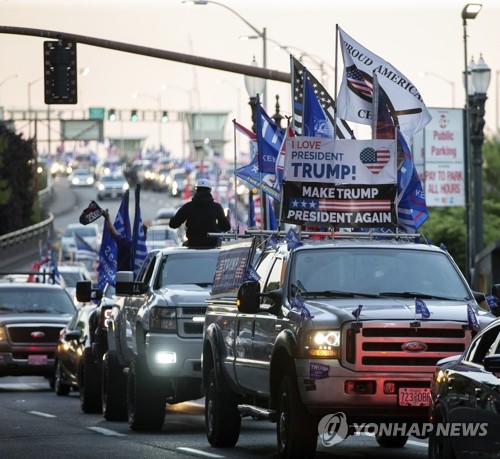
[(123, 245)]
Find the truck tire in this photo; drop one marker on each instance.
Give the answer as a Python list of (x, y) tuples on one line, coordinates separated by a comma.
[(391, 441), (60, 386), (114, 389), (145, 397), (296, 429), (222, 419), (89, 383)]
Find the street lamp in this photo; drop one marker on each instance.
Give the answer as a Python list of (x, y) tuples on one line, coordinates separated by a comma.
[(10, 77), (442, 78), (260, 34), (480, 79), (159, 114), (255, 86), (30, 84), (470, 11)]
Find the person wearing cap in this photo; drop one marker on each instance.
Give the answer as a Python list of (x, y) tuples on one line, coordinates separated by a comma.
[(202, 215)]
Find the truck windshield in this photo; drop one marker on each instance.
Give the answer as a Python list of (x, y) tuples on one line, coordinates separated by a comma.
[(192, 267), (378, 271)]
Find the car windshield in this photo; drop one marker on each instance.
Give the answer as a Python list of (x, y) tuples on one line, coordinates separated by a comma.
[(84, 231), (112, 179), (385, 272), (189, 268), (35, 301), (160, 235)]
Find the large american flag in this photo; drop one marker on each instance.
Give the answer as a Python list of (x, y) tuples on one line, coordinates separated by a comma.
[(342, 129)]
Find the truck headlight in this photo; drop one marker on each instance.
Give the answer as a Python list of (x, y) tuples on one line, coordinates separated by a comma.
[(323, 344), (2, 334), (163, 319)]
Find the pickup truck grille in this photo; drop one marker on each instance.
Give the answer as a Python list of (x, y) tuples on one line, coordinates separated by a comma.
[(380, 346), (186, 325), (33, 334)]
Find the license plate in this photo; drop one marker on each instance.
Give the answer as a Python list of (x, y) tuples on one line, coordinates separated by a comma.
[(414, 396), (37, 360)]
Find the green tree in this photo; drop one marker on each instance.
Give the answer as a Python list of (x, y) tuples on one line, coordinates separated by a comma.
[(17, 194)]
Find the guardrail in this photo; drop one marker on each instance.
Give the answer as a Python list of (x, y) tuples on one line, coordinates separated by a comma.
[(18, 243)]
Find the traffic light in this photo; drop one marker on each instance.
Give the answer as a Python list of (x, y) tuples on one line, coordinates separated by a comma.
[(111, 114), (60, 72), (164, 117), (133, 116)]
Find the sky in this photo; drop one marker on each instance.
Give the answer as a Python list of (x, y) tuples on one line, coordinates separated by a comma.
[(424, 39)]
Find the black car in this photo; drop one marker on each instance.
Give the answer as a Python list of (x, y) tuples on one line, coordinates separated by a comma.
[(80, 349), (465, 400), (31, 317)]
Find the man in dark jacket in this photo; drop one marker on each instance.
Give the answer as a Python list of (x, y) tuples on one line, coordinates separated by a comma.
[(202, 215)]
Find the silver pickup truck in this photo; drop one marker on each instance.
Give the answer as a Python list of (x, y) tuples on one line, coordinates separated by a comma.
[(154, 336), (347, 330)]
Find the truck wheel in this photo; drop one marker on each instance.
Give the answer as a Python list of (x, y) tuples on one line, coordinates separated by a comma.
[(114, 389), (60, 386), (296, 429), (89, 383), (145, 397), (391, 441), (439, 445), (222, 419)]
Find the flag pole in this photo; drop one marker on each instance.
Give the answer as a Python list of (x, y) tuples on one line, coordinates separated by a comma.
[(336, 80), (234, 181)]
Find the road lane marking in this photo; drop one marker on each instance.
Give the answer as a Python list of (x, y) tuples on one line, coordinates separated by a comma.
[(199, 453), (45, 415), (107, 432)]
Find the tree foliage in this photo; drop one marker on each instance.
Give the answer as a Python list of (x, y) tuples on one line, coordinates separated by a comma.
[(17, 194)]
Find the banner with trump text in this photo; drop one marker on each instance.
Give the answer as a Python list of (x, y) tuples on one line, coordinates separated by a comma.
[(340, 182)]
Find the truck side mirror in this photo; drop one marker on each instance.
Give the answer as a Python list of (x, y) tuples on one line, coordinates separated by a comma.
[(84, 291), (248, 297)]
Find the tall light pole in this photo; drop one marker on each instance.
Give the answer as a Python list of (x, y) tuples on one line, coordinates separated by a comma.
[(30, 84), (260, 34), (470, 11), (10, 77), (480, 78), (254, 87), (159, 114), (442, 78)]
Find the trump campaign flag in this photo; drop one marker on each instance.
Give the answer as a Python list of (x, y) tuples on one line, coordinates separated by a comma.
[(354, 101), (299, 75), (139, 250), (106, 270)]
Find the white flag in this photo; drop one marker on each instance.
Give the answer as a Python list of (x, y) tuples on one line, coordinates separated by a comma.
[(354, 101)]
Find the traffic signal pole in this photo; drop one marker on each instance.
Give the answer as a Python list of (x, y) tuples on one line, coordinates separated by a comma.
[(249, 70)]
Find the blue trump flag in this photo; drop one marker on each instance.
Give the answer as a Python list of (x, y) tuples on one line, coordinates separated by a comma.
[(269, 139), (421, 308), (316, 122), (106, 270), (122, 220), (139, 250), (472, 318)]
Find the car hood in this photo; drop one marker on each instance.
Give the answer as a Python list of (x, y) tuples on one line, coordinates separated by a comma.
[(186, 293), (389, 309), (6, 319)]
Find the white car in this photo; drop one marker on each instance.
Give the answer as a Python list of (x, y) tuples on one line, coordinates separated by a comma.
[(73, 272), (90, 233), (81, 177)]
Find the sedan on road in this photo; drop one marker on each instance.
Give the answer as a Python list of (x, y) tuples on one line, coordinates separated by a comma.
[(465, 400), (112, 186)]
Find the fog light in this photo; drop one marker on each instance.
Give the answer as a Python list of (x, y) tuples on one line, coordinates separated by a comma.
[(359, 387), (389, 388), (166, 357)]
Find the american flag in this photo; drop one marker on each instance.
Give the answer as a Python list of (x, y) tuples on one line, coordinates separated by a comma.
[(341, 205), (358, 84), (342, 130), (375, 160)]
